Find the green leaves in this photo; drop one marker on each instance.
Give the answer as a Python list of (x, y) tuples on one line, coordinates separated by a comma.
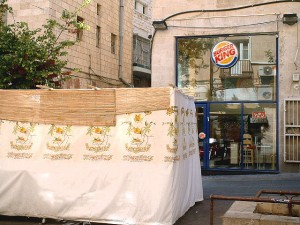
[(192, 51), (33, 57)]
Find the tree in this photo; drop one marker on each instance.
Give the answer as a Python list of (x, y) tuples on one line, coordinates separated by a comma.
[(191, 54), (192, 49), (35, 57)]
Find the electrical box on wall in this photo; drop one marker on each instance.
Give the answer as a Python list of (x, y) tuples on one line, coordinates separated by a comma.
[(296, 77)]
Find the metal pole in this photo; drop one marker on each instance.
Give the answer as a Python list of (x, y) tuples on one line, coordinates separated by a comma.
[(211, 210), (121, 45), (276, 192), (249, 199)]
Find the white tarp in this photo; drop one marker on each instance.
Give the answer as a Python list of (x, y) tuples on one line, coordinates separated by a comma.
[(144, 170)]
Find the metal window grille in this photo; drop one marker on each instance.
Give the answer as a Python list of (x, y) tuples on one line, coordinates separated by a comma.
[(141, 48), (237, 68), (292, 130)]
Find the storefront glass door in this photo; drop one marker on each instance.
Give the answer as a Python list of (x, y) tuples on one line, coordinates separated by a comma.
[(225, 135), (202, 131)]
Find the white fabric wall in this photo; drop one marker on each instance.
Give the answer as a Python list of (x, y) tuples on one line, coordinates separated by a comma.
[(145, 170)]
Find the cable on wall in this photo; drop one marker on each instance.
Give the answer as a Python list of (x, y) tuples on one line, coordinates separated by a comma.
[(222, 10), (253, 24), (229, 9)]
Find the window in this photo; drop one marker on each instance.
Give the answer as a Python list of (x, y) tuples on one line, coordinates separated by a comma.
[(144, 9), (243, 134), (98, 36), (79, 32), (98, 9), (243, 47), (113, 43), (251, 78), (139, 7), (292, 130), (141, 51)]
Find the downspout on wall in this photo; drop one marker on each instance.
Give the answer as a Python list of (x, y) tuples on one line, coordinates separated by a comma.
[(121, 34)]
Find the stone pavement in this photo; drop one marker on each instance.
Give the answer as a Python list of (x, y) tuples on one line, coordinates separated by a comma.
[(235, 185), (199, 214)]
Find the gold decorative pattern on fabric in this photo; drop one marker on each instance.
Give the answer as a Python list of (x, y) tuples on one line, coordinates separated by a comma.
[(60, 156), (99, 142), (21, 142), (14, 155), (97, 157), (60, 138), (59, 143), (23, 136), (173, 128), (99, 139), (139, 158), (172, 158), (138, 131)]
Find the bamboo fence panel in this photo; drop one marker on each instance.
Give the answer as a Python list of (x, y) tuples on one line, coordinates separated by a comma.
[(20, 105), (66, 107), (80, 107), (141, 99)]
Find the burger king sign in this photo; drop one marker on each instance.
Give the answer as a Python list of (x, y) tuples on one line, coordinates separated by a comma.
[(224, 54)]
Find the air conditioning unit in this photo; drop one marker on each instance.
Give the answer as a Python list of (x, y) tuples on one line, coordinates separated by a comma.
[(266, 70), (267, 74), (265, 93)]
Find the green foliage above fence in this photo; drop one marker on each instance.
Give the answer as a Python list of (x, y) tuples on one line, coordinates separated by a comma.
[(36, 57)]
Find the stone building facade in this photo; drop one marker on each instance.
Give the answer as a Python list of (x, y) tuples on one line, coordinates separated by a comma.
[(104, 53), (248, 111)]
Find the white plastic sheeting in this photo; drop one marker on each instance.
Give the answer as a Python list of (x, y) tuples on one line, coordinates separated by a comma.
[(144, 170)]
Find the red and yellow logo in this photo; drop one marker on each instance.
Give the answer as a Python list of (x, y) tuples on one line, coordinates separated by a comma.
[(224, 54)]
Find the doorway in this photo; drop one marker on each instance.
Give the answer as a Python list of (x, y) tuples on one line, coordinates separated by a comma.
[(237, 136), (203, 136)]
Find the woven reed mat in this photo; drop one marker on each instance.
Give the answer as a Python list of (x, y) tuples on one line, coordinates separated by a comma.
[(66, 107), (131, 100), (80, 107)]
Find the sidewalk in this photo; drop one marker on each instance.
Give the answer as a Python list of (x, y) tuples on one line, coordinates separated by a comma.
[(199, 214), (235, 185)]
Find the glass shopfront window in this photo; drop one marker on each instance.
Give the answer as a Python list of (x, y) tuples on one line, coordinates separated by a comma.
[(260, 126), (242, 136), (236, 105), (252, 78)]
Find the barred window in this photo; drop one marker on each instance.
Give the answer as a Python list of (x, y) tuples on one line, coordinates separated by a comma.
[(79, 32), (98, 35), (113, 43)]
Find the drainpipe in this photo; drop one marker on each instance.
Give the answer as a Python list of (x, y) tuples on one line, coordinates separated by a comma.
[(121, 33)]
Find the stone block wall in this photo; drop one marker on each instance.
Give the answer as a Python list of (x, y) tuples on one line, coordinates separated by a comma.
[(98, 65)]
